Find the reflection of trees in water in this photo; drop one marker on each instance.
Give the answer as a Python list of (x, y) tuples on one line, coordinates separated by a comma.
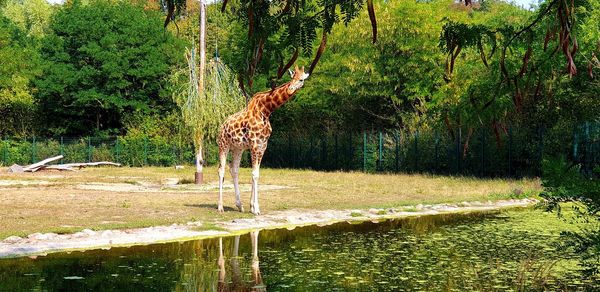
[(185, 266)]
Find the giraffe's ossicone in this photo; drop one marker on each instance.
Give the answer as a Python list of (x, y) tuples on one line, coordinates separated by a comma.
[(250, 129)]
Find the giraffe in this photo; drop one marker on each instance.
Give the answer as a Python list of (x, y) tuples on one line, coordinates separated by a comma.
[(250, 129)]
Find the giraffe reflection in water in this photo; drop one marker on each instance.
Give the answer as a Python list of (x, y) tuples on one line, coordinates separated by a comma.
[(237, 283)]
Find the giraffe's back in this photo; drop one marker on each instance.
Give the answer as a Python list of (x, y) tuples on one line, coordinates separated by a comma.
[(243, 130)]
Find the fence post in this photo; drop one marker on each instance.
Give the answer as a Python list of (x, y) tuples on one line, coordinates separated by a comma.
[(397, 150), (62, 148), (594, 142), (575, 142), (117, 150), (336, 166), (33, 156), (417, 150), (436, 150), (458, 158), (145, 157), (540, 150), (5, 151), (145, 151), (365, 151), (351, 149), (482, 173), (323, 151), (587, 149), (89, 150), (380, 154), (510, 141), (289, 151)]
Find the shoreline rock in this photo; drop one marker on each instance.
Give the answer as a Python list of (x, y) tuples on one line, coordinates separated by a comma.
[(44, 243)]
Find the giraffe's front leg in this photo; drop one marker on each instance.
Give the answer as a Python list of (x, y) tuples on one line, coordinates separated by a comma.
[(222, 162), (257, 151), (254, 207)]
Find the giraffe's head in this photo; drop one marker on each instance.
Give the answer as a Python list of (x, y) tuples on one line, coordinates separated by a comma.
[(298, 77)]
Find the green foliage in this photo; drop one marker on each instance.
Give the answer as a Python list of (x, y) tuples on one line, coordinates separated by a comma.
[(31, 16), (204, 111), (400, 80), (271, 32), (564, 182), (19, 66), (103, 62)]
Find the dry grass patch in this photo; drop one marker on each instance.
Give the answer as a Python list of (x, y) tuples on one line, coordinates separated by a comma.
[(60, 204)]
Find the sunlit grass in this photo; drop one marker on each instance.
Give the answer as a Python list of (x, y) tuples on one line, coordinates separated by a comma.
[(62, 206)]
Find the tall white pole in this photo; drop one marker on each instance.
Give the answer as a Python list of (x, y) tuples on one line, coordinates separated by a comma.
[(202, 45), (199, 159)]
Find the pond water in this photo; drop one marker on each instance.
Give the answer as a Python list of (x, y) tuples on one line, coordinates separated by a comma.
[(508, 250)]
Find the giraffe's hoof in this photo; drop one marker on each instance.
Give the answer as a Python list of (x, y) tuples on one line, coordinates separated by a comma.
[(256, 212), (220, 209), (240, 208)]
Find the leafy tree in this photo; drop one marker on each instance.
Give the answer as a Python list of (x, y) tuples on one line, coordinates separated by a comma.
[(508, 68), (204, 111), (31, 16), (103, 62), (19, 66), (401, 80), (277, 31), (564, 182)]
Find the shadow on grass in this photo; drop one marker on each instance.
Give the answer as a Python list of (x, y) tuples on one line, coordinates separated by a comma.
[(210, 206)]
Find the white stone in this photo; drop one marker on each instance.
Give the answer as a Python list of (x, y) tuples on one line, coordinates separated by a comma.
[(33, 236), (12, 239), (15, 168), (88, 232), (170, 181)]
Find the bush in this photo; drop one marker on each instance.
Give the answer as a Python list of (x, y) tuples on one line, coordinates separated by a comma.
[(565, 182)]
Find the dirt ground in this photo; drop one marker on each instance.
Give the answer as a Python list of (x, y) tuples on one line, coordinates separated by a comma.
[(118, 198)]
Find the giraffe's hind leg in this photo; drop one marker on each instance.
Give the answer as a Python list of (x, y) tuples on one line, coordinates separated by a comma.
[(222, 162), (235, 171)]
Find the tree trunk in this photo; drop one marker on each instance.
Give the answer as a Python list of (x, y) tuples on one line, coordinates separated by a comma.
[(202, 46), (199, 178)]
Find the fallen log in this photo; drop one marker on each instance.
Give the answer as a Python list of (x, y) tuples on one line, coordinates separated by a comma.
[(72, 166), (34, 167), (43, 165), (82, 165), (57, 167)]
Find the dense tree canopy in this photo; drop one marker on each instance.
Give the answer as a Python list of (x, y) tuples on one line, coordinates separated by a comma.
[(437, 64), (31, 16), (19, 66), (276, 32), (103, 62)]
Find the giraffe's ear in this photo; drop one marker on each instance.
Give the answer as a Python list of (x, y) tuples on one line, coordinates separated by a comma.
[(296, 67), (291, 73)]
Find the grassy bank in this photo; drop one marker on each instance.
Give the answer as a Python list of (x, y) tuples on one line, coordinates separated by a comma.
[(110, 198)]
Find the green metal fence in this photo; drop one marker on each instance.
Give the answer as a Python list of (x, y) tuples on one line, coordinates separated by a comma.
[(479, 152), (509, 152)]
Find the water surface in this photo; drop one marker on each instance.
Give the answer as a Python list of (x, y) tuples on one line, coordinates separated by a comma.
[(508, 250)]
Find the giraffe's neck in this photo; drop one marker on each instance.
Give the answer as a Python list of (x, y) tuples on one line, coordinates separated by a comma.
[(271, 100)]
